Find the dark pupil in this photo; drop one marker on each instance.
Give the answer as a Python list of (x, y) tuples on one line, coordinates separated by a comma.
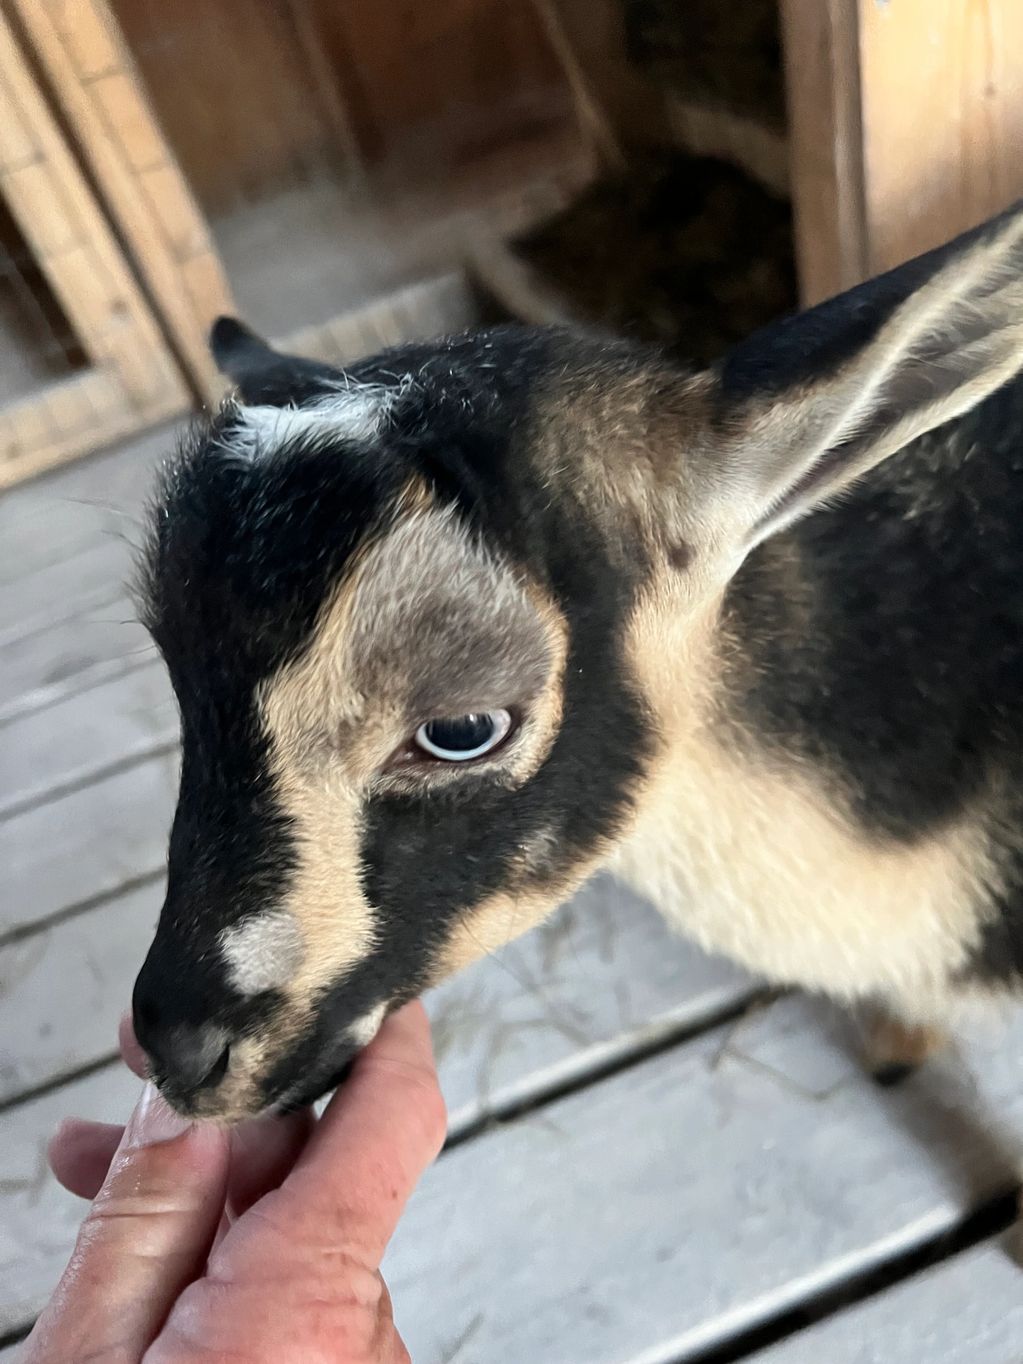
[(460, 734)]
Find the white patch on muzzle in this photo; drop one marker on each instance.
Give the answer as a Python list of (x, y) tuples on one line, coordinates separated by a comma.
[(263, 952), (364, 1029)]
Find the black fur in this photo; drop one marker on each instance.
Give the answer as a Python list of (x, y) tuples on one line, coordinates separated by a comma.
[(260, 374), (804, 349)]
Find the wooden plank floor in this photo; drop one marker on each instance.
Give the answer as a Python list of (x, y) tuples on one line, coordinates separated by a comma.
[(651, 1160)]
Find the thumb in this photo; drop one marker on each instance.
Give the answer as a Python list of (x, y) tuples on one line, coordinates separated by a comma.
[(146, 1236)]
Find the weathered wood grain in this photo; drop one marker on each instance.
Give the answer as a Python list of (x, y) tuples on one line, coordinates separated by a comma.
[(58, 515), (85, 733), (62, 590), (63, 990), (904, 128), (941, 98), (85, 844), (820, 45), (967, 1310), (642, 1218), (692, 1196), (66, 547), (71, 653), (601, 979), (133, 379), (134, 168)]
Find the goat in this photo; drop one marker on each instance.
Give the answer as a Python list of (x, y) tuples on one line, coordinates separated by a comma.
[(454, 628)]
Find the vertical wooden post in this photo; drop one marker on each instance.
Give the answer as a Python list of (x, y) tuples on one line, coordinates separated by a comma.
[(906, 127), (81, 49), (942, 99), (822, 84), (131, 379)]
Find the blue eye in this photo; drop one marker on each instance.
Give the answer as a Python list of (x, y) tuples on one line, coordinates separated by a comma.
[(457, 738)]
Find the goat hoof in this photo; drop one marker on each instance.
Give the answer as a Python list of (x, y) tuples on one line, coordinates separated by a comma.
[(893, 1073)]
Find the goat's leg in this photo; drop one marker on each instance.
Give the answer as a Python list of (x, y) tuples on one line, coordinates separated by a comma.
[(893, 1048)]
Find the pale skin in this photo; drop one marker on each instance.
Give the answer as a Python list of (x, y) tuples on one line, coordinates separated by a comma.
[(252, 1246)]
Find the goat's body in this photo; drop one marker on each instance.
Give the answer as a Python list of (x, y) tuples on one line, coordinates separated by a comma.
[(753, 636), (844, 809)]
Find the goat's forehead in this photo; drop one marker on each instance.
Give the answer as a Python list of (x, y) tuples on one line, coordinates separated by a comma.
[(255, 523)]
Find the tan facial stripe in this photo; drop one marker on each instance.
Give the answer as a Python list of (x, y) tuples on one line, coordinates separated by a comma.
[(341, 707)]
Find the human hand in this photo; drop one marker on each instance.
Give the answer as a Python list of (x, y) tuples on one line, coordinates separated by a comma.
[(261, 1244)]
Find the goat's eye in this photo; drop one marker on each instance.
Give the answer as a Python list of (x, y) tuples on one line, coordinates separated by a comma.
[(458, 738)]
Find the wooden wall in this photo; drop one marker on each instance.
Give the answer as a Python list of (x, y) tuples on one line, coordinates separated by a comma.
[(905, 127), (942, 119), (256, 95)]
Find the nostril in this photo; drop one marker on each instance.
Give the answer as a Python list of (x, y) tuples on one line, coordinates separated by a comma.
[(217, 1071), (188, 1056), (197, 1057), (187, 1051)]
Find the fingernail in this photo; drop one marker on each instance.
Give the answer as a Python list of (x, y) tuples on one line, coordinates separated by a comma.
[(153, 1120)]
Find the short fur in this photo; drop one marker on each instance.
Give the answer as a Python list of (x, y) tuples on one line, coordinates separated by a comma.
[(801, 733)]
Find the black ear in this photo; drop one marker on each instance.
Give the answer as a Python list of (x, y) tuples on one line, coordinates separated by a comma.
[(807, 406), (263, 375)]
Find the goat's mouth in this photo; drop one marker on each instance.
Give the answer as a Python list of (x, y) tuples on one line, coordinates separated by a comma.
[(252, 1081), (238, 1098)]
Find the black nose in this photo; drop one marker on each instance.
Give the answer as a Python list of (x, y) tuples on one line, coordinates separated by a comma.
[(187, 1055)]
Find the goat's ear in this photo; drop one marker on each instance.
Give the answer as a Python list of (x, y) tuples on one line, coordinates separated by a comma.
[(262, 374), (808, 405)]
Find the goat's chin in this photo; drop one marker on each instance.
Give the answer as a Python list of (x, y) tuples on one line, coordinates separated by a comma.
[(307, 1092)]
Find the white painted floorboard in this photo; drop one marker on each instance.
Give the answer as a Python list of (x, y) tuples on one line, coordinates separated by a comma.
[(86, 732), (51, 663), (967, 1310), (692, 1196), (644, 1217)]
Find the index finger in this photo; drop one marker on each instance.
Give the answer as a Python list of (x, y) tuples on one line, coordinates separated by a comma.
[(379, 1132)]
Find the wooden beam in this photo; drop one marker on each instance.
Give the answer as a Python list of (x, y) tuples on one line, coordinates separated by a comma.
[(819, 39), (906, 126), (133, 380), (941, 90), (83, 52)]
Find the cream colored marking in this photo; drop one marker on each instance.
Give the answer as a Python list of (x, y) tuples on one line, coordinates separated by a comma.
[(372, 648), (364, 1029), (500, 919), (891, 1041), (325, 897), (235, 1097), (506, 915), (262, 952), (356, 413), (339, 713), (761, 862)]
